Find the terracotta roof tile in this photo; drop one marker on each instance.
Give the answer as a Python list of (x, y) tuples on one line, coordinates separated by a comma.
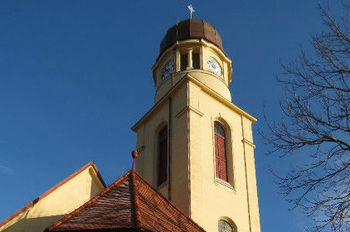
[(128, 203)]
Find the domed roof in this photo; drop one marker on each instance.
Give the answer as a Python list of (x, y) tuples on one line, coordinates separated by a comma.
[(191, 29)]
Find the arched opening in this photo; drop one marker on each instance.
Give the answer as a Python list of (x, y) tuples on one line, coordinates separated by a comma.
[(183, 62), (225, 226), (162, 155), (220, 152)]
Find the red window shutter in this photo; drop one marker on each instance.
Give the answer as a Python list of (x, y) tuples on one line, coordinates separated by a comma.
[(220, 155), (217, 161)]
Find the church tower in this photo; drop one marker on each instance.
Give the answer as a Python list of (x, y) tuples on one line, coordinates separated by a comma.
[(196, 146)]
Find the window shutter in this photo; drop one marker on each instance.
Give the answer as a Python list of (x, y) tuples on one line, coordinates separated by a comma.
[(217, 161), (220, 154), (162, 156)]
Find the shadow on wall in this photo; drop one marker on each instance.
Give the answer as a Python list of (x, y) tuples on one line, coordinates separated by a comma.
[(38, 224), (94, 190)]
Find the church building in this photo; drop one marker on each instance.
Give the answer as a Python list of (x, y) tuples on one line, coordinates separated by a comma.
[(194, 158)]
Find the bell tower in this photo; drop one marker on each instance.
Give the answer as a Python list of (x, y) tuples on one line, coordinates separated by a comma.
[(196, 146)]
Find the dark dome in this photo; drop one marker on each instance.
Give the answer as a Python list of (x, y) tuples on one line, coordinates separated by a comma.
[(191, 29)]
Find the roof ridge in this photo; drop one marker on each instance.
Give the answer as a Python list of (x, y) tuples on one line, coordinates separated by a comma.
[(74, 212), (168, 201), (91, 163), (145, 208), (134, 209)]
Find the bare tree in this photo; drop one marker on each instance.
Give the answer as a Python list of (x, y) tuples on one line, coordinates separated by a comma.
[(316, 124)]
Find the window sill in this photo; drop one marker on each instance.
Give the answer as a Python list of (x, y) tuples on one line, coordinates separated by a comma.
[(162, 185), (224, 183)]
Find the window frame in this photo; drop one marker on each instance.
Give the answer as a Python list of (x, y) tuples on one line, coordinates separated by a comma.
[(220, 162), (229, 222), (161, 181), (229, 155)]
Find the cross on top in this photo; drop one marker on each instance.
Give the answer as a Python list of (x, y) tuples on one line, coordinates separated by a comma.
[(191, 10)]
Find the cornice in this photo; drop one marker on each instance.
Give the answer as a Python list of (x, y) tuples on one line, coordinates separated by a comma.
[(244, 140), (188, 78)]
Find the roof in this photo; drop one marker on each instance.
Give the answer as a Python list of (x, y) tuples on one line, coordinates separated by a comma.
[(191, 29), (35, 201), (129, 204)]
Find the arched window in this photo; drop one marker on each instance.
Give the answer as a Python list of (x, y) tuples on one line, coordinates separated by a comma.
[(220, 152), (162, 155), (224, 226)]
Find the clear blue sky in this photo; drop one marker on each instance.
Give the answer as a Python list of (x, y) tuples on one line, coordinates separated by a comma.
[(76, 75)]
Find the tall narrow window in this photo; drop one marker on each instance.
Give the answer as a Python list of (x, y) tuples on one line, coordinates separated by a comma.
[(195, 60), (162, 155), (183, 61), (220, 152)]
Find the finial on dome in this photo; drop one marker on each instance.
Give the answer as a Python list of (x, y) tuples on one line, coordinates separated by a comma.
[(190, 8)]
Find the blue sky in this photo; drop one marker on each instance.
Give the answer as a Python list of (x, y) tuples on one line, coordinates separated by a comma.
[(76, 75)]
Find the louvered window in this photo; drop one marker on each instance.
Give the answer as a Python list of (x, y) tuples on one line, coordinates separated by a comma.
[(220, 152), (162, 155)]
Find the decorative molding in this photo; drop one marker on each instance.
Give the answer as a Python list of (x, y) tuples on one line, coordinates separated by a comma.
[(220, 98), (224, 183), (188, 108), (244, 140), (162, 185), (196, 111), (188, 78)]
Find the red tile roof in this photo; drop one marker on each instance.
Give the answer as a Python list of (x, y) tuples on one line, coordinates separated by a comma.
[(130, 203), (53, 189)]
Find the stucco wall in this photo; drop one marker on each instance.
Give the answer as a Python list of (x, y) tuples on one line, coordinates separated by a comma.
[(211, 198), (194, 187), (62, 200)]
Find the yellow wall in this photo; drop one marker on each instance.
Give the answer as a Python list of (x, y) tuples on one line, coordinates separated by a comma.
[(198, 98), (56, 204), (218, 83), (212, 198)]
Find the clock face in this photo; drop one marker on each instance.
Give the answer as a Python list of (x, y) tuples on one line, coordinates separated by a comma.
[(224, 226), (213, 66), (169, 68)]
